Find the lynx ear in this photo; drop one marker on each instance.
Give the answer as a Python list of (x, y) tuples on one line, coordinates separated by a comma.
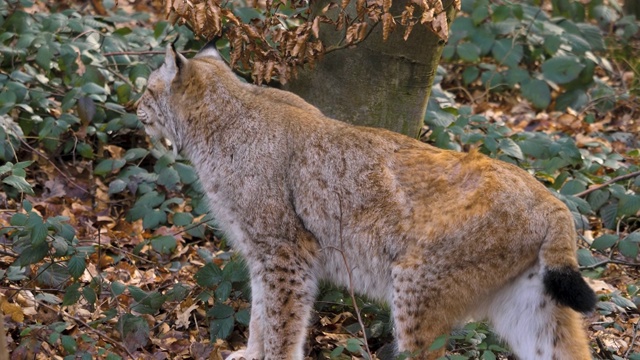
[(174, 61), (209, 50)]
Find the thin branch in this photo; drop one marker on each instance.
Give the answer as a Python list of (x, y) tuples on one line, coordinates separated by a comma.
[(609, 182), (609, 261), (351, 291), (144, 52), (339, 47), (102, 334), (633, 341), (54, 166)]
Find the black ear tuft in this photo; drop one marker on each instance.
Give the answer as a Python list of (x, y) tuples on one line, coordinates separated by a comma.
[(179, 61), (211, 45)]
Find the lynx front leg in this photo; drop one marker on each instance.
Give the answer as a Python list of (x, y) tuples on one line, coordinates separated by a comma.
[(285, 286), (255, 346), (289, 291)]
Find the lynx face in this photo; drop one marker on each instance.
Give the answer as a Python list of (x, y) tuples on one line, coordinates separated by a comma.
[(154, 107), (439, 235)]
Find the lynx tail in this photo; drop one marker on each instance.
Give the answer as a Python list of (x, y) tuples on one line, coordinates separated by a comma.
[(568, 288), (561, 276)]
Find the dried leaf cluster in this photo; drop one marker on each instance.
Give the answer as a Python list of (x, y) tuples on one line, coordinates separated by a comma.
[(282, 36)]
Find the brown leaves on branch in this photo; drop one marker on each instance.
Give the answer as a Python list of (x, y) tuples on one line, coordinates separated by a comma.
[(287, 35)]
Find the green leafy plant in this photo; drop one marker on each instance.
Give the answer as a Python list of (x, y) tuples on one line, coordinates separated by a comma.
[(519, 47)]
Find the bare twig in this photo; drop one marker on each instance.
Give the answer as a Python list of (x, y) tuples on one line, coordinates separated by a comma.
[(609, 182), (143, 52), (102, 334), (603, 350), (608, 261), (54, 166), (342, 46), (351, 291), (633, 341), (4, 348)]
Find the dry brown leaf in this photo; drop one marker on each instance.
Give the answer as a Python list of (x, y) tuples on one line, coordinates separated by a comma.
[(13, 310), (315, 27), (386, 5), (440, 26), (360, 8), (407, 15), (427, 16), (407, 31), (388, 25), (182, 317)]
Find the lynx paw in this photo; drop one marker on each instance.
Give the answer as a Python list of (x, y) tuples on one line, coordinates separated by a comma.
[(243, 355)]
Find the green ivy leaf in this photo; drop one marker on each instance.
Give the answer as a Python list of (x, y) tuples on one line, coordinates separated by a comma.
[(37, 229), (572, 187), (182, 219), (604, 242), (628, 205), (116, 186), (609, 213), (510, 148), (220, 311), (562, 69), (223, 290), (209, 276), (468, 52), (76, 266), (221, 328), (89, 295), (153, 218), (585, 258), (470, 74), (439, 342), (168, 177), (187, 173), (628, 248), (538, 93), (117, 288), (71, 294), (598, 198), (68, 342), (19, 183), (52, 275), (507, 52), (107, 166), (243, 316), (164, 244), (43, 57)]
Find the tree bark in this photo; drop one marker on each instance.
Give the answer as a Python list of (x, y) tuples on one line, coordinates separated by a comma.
[(632, 7), (376, 83)]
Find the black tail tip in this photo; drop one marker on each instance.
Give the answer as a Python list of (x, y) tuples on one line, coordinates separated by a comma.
[(568, 288)]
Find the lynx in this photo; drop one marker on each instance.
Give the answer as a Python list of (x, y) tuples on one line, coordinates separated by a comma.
[(441, 236)]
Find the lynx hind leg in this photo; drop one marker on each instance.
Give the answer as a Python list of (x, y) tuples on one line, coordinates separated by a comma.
[(534, 325), (424, 305)]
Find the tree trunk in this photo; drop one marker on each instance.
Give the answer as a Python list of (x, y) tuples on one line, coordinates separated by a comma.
[(632, 7), (376, 83)]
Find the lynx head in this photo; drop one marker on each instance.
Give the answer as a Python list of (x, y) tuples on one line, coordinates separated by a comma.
[(160, 106)]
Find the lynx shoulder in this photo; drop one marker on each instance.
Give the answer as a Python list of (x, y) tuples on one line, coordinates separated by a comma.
[(441, 236)]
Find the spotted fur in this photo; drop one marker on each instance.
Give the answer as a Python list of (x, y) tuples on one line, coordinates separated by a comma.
[(441, 236)]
